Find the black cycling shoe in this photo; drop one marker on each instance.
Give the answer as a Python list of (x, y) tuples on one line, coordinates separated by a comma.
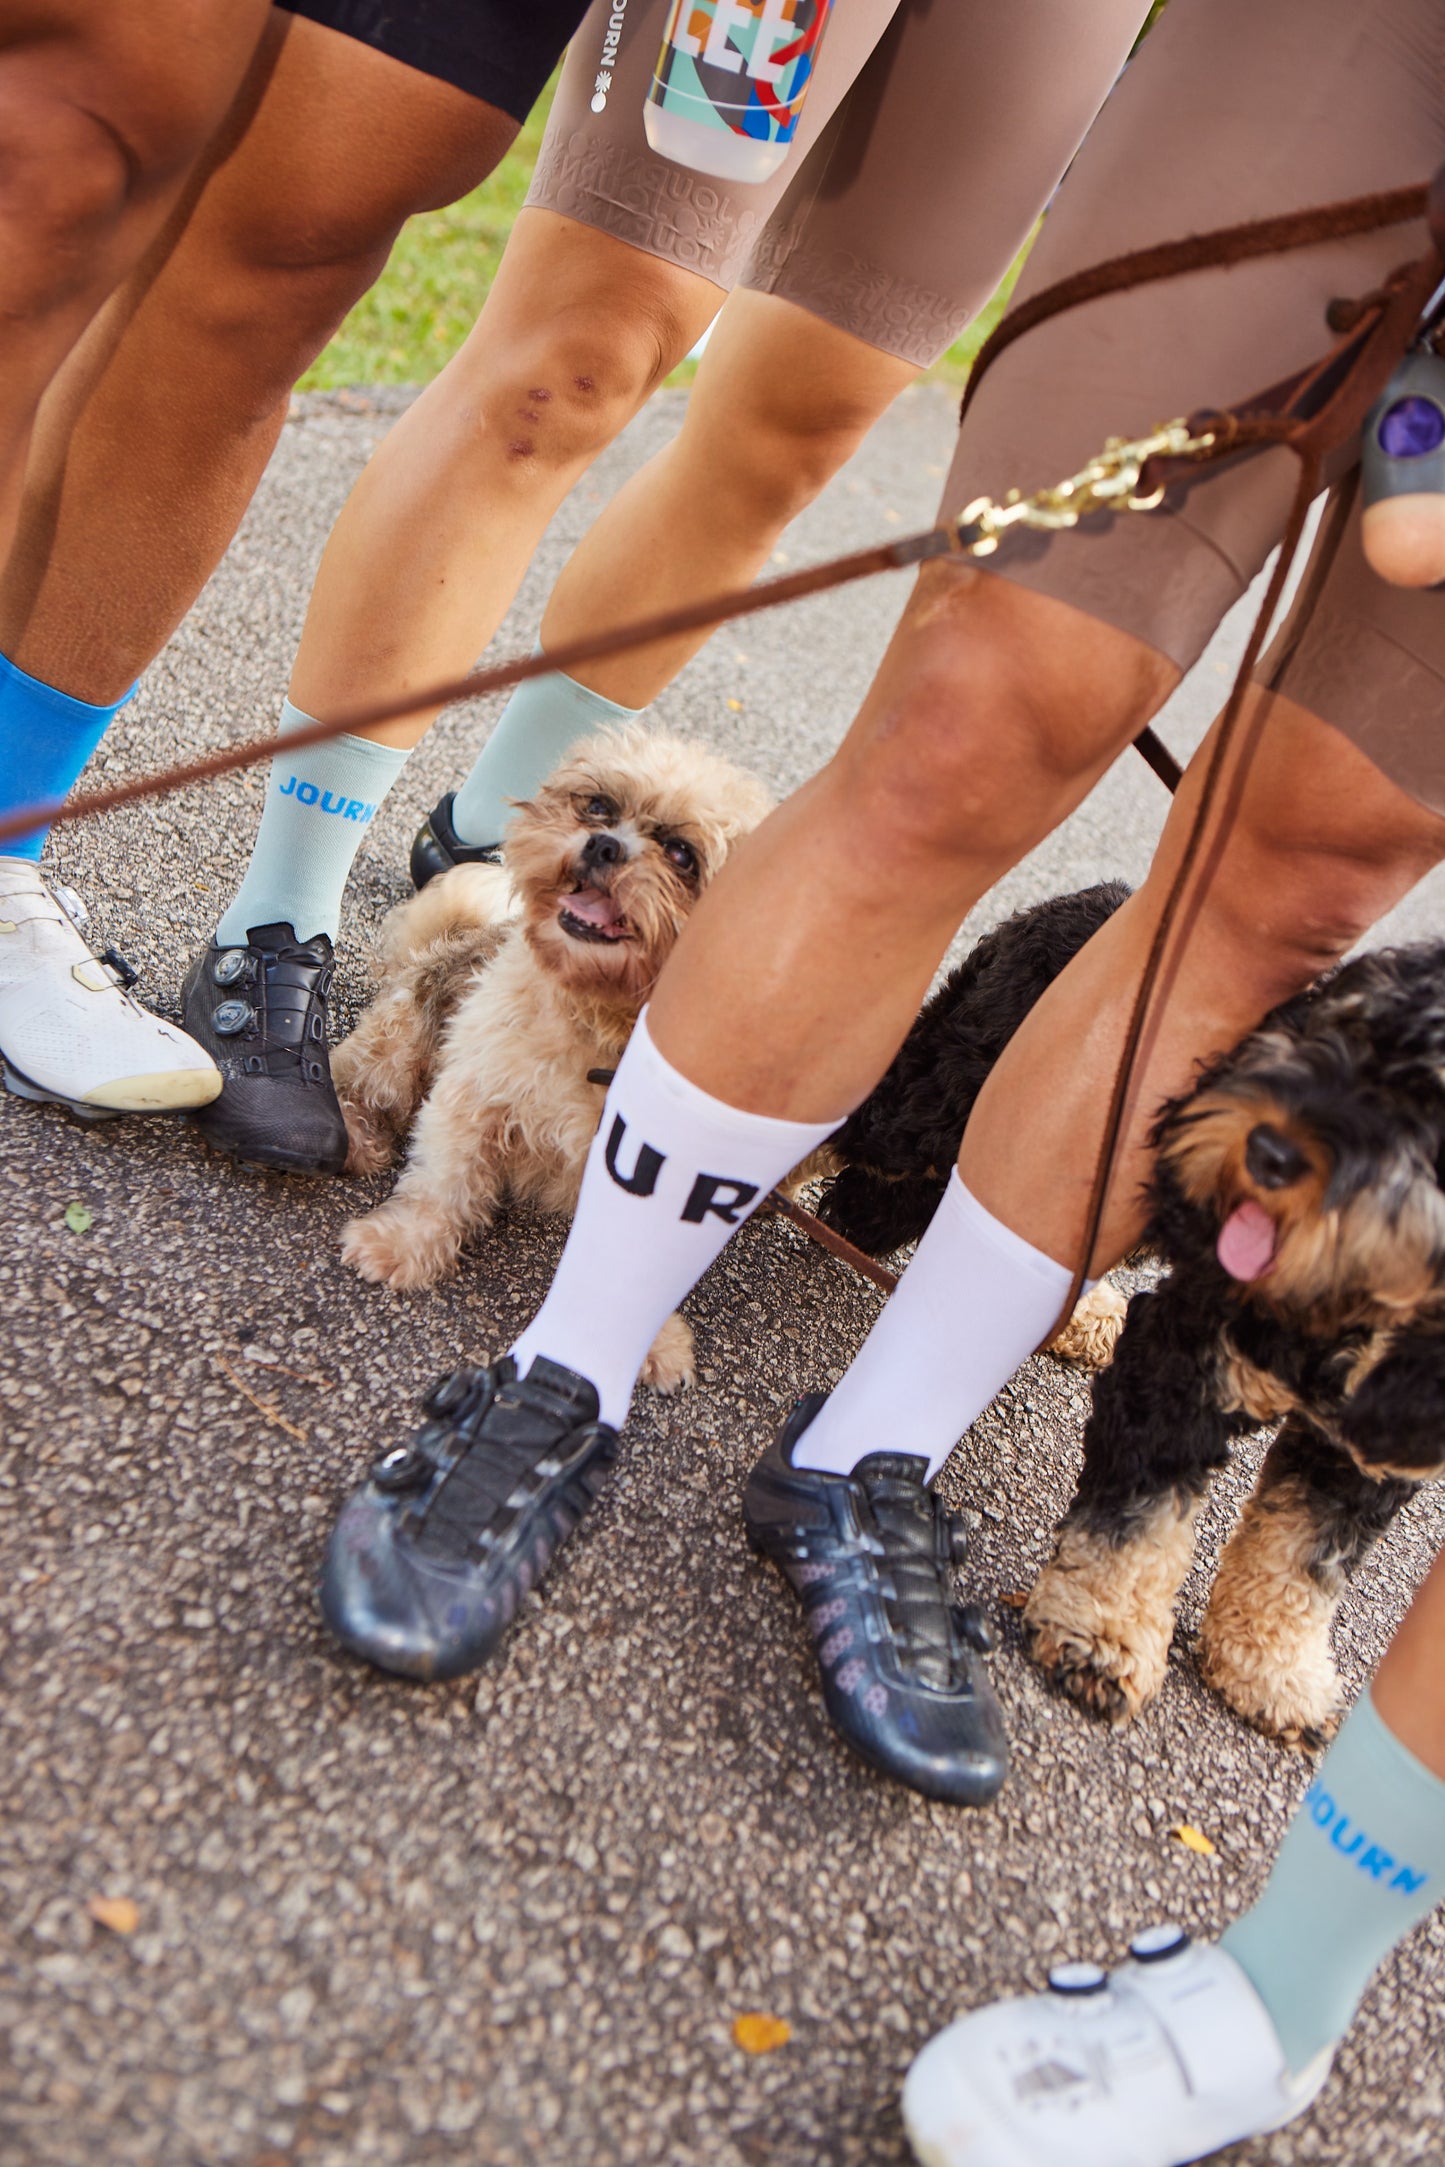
[(869, 1556), (260, 1012), (436, 847), (431, 1557)]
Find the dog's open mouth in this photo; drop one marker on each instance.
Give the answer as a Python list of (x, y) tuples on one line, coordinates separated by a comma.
[(589, 915), (1246, 1242)]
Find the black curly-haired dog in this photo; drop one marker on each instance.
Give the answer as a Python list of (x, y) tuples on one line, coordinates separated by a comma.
[(895, 1153), (1297, 1199)]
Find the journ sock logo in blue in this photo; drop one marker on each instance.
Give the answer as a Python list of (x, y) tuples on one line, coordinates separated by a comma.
[(308, 794), (1352, 1842)]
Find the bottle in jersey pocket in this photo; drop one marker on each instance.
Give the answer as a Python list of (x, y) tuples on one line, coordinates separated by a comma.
[(730, 82)]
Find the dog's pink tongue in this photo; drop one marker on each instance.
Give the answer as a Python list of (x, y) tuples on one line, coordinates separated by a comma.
[(593, 908), (1246, 1242)]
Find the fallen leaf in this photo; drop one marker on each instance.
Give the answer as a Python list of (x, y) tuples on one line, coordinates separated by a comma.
[(77, 1218), (1015, 1599), (1193, 1839), (759, 2034), (736, 706), (116, 1912)]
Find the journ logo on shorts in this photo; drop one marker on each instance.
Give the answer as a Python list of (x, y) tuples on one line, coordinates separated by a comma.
[(611, 39)]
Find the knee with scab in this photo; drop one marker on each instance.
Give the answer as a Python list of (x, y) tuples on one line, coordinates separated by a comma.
[(563, 401)]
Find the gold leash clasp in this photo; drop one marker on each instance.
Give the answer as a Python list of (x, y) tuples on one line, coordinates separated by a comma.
[(1110, 482)]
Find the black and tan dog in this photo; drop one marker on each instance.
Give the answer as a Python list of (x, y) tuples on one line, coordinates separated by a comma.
[(1297, 1200)]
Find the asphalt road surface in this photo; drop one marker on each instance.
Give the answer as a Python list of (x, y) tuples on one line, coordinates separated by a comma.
[(512, 1920)]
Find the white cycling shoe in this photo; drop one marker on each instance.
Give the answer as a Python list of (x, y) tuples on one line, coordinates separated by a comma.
[(1156, 2064), (69, 1032)]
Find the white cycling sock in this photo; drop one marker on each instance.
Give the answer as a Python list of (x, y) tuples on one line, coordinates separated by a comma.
[(1363, 1862), (671, 1173), (976, 1301), (543, 718), (319, 805)]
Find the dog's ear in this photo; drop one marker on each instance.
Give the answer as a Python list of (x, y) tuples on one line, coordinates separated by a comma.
[(1395, 1421)]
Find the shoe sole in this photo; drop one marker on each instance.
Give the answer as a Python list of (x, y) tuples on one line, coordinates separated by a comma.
[(247, 1160), (168, 1092)]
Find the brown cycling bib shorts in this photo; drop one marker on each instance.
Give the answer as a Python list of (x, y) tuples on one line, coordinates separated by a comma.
[(1233, 110), (932, 136)]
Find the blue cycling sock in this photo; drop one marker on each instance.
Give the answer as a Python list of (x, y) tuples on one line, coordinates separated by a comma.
[(1363, 1861), (46, 738)]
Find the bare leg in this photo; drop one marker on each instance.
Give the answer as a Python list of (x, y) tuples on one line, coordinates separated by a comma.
[(576, 333), (1323, 846), (1409, 1687), (842, 903), (153, 439), (103, 110), (781, 400)]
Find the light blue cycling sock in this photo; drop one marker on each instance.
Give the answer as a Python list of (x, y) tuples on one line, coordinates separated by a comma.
[(1363, 1862), (46, 738), (319, 804), (539, 722)]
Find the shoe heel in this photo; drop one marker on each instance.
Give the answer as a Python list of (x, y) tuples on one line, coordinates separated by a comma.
[(21, 1087)]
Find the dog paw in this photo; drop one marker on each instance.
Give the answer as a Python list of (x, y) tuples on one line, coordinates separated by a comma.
[(1092, 1332), (369, 1148), (1283, 1680), (670, 1364), (1108, 1673), (398, 1249), (1101, 1615)]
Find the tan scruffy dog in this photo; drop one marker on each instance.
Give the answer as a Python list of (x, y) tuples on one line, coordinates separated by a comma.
[(502, 987)]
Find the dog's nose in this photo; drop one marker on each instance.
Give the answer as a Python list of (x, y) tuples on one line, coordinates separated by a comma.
[(1273, 1161), (602, 850)]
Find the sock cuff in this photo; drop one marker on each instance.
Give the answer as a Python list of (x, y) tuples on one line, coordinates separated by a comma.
[(38, 693), (1407, 1767), (294, 718), (961, 1203), (1370, 1776), (693, 1104), (389, 757), (593, 708)]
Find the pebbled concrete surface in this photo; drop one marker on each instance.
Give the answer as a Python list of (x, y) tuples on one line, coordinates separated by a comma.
[(511, 1921)]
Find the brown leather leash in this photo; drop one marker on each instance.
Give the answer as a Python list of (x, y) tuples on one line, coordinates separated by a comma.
[(824, 1236), (1311, 414)]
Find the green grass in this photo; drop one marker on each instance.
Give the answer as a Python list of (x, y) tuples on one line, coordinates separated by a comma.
[(427, 299)]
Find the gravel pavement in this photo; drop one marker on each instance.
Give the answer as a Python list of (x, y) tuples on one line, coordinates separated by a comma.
[(512, 1920)]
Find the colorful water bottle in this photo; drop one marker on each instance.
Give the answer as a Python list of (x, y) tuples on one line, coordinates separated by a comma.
[(730, 82)]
